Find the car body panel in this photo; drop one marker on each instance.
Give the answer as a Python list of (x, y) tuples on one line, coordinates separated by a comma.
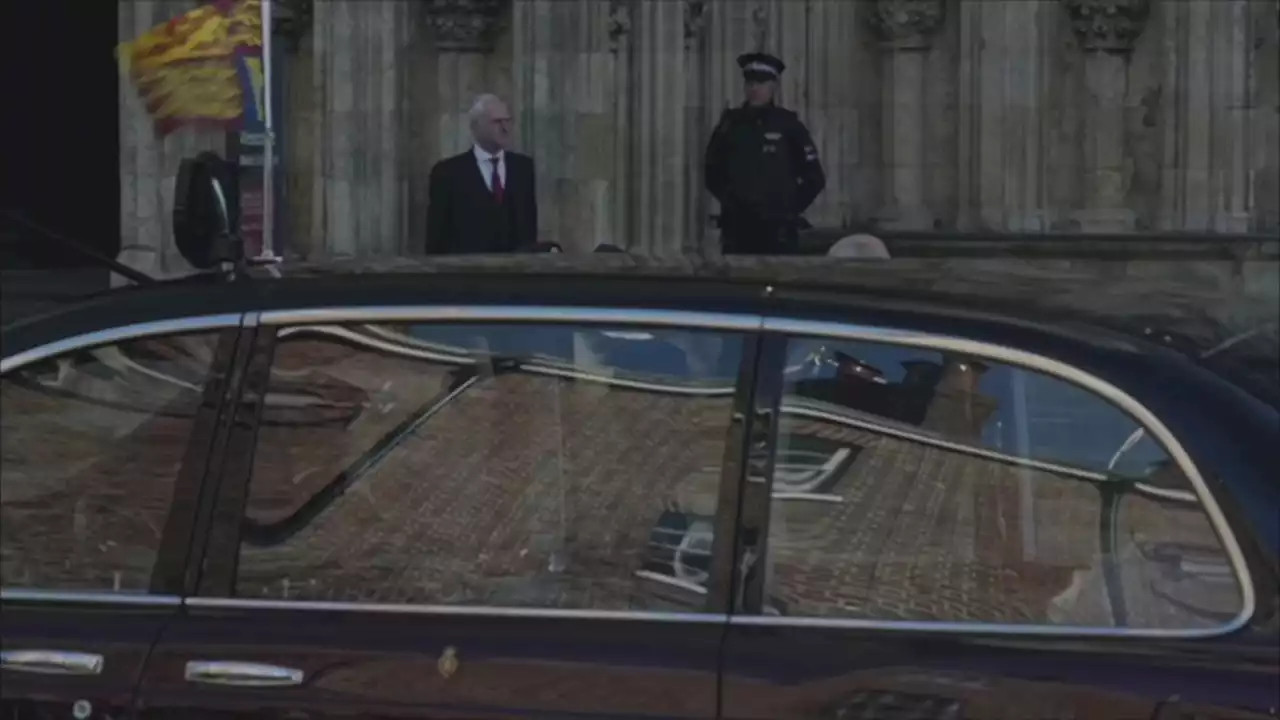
[(381, 660), (777, 668), (119, 630), (121, 637), (383, 664), (766, 669)]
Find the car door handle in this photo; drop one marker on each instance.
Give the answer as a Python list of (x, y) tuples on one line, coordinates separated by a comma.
[(51, 662), (243, 674)]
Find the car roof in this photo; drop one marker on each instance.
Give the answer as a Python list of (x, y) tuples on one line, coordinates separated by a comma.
[(1096, 300), (1094, 304), (1049, 293)]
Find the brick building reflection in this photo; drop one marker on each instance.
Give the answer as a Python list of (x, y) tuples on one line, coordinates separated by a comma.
[(913, 527)]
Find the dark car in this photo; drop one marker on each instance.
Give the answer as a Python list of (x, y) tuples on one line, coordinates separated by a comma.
[(451, 491)]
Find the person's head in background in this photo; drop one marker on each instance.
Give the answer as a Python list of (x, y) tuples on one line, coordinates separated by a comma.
[(760, 73), (860, 245), (490, 123)]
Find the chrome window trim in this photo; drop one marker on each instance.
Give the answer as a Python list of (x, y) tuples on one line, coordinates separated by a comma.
[(456, 610), (87, 598), (119, 334), (566, 314), (535, 367), (684, 320)]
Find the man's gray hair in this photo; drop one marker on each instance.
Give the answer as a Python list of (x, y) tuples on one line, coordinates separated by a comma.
[(860, 245), (481, 106)]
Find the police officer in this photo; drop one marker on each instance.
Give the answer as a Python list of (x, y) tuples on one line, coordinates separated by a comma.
[(762, 166)]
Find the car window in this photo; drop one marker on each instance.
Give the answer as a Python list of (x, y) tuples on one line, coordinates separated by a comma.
[(542, 466), (915, 485), (92, 442)]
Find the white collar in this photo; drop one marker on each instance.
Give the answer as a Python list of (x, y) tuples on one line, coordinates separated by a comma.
[(483, 155)]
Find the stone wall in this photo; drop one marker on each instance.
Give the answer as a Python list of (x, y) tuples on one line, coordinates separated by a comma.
[(149, 165), (1089, 115)]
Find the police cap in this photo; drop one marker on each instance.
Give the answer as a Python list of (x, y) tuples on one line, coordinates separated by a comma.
[(760, 67)]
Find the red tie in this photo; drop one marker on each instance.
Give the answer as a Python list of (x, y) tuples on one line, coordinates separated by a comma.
[(498, 190)]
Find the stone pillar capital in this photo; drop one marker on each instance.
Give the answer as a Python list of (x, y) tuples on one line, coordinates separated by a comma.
[(906, 24), (1108, 25), (619, 24), (695, 19), (465, 25), (759, 28)]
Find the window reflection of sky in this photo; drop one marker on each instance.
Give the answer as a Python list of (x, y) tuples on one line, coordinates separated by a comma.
[(651, 353), (1055, 420)]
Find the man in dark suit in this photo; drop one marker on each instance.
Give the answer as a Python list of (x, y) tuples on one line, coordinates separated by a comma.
[(483, 200)]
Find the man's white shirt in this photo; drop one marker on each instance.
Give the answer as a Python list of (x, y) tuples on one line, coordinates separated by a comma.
[(485, 162)]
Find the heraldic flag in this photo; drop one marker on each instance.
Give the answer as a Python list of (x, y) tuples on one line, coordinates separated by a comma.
[(201, 68)]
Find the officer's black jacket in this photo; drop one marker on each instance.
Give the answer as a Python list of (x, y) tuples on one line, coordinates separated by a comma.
[(762, 162)]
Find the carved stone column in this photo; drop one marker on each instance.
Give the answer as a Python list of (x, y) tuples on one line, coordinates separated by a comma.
[(904, 28), (666, 137), (572, 63), (359, 159), (1219, 169), (462, 32), (621, 212), (1002, 139), (1265, 123), (1107, 30)]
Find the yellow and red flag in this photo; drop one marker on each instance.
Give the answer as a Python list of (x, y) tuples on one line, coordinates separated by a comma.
[(202, 67)]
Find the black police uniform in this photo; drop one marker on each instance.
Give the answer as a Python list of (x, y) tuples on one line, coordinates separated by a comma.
[(762, 166)]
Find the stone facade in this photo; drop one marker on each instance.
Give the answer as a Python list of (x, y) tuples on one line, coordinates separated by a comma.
[(1090, 115)]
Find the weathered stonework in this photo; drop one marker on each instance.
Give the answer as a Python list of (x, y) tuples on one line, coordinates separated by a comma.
[(619, 23), (465, 25), (695, 20), (1108, 25), (906, 23), (1028, 116), (906, 29)]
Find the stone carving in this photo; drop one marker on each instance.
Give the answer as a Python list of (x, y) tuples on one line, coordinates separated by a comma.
[(695, 19), (1108, 25), (465, 25), (906, 24), (291, 19), (759, 27), (619, 23)]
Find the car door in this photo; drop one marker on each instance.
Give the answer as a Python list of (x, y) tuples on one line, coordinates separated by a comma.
[(951, 526), (465, 512), (106, 438)]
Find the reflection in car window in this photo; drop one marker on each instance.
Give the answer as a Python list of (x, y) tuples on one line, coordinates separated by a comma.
[(915, 485), (518, 466), (92, 442)]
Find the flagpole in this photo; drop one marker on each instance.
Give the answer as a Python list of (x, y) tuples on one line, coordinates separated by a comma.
[(268, 142)]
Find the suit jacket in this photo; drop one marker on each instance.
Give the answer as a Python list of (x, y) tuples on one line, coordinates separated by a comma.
[(464, 217)]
